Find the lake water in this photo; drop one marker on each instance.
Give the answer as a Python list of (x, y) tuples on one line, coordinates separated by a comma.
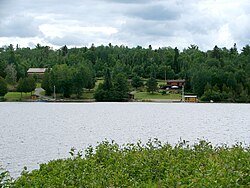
[(34, 133)]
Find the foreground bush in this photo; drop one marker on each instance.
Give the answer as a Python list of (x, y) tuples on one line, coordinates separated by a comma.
[(150, 165), (5, 179)]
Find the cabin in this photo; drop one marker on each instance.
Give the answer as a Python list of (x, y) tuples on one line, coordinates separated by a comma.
[(190, 98), (39, 72), (34, 97), (175, 84)]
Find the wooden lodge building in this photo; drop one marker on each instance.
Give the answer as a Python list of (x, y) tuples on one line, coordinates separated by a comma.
[(175, 84), (190, 98), (39, 72)]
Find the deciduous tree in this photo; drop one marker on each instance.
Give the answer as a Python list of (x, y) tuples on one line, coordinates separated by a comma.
[(26, 85), (11, 74), (136, 81)]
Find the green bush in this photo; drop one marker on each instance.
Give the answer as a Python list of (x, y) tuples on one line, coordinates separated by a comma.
[(163, 92), (146, 165), (2, 99), (5, 179)]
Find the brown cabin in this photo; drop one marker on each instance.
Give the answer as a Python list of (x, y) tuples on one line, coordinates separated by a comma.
[(34, 97), (191, 98), (175, 84), (36, 71)]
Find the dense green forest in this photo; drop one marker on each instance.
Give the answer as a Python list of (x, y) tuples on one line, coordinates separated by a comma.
[(219, 74)]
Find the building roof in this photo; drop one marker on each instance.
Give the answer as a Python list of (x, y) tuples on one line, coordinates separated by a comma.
[(36, 70), (190, 96), (181, 81)]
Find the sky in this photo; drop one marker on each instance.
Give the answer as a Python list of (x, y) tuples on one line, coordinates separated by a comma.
[(159, 23)]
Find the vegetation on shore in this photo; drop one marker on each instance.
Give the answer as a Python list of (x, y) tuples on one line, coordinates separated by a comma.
[(218, 74), (153, 164), (16, 96), (88, 94), (5, 179), (156, 95)]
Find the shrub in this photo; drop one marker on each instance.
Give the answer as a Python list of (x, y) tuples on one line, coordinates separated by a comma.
[(5, 179), (146, 165)]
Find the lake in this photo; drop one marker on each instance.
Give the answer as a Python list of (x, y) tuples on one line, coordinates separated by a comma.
[(34, 133)]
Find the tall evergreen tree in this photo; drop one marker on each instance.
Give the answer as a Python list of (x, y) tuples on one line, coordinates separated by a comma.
[(3, 87), (46, 83), (120, 87), (152, 85), (216, 53), (107, 84), (176, 65)]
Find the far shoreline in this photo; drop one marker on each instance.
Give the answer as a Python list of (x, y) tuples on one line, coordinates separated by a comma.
[(170, 101)]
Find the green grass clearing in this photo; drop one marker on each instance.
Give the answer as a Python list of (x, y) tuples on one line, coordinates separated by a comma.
[(16, 96), (98, 82), (88, 95), (42, 92), (38, 85), (161, 82), (156, 95)]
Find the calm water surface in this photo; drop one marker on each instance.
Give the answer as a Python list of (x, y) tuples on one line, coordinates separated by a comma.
[(34, 133)]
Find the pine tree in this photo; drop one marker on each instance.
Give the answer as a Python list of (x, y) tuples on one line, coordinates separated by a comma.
[(3, 87), (151, 85)]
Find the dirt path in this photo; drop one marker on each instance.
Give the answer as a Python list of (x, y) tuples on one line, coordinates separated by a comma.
[(38, 93)]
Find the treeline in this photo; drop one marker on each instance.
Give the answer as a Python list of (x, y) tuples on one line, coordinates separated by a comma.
[(219, 74), (69, 80)]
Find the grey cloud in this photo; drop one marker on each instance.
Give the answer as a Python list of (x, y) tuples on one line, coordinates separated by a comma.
[(37, 7), (240, 29), (19, 26), (201, 25), (128, 1), (151, 28), (31, 45), (70, 40), (155, 12), (138, 22), (144, 32)]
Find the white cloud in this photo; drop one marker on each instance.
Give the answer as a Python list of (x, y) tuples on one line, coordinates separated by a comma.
[(22, 42), (60, 30), (130, 22)]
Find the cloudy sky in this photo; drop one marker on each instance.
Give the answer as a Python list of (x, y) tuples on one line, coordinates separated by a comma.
[(180, 23)]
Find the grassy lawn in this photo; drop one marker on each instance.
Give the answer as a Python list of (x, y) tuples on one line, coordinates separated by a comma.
[(38, 85), (88, 94), (42, 93), (161, 82), (98, 82), (16, 96), (138, 95), (156, 95)]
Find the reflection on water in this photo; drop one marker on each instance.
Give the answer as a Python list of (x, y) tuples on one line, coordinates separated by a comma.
[(34, 133)]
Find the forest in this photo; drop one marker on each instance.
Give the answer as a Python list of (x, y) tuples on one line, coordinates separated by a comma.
[(218, 74)]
